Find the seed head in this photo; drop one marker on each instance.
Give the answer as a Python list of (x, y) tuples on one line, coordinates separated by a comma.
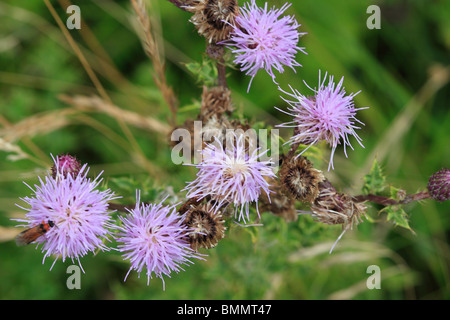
[(331, 207), (213, 19), (280, 202), (299, 177), (206, 226), (216, 101)]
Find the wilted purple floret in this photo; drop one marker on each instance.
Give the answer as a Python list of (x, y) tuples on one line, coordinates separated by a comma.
[(329, 115), (153, 237), (231, 174), (79, 213), (263, 40)]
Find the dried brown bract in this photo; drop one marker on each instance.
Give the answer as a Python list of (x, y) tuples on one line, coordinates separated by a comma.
[(299, 177), (207, 226), (280, 204), (215, 101), (332, 207), (212, 18)]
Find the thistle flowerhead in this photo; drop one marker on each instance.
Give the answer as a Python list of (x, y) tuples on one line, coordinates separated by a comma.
[(329, 115), (213, 18), (66, 164), (300, 179), (207, 225), (231, 175), (153, 237), (262, 38), (76, 210), (439, 185)]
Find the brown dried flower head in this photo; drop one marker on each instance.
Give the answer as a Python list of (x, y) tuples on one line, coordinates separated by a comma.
[(332, 207), (215, 101), (212, 18), (207, 225), (280, 204), (301, 179)]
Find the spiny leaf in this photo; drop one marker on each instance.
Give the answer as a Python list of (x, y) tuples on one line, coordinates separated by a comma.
[(374, 181), (398, 216)]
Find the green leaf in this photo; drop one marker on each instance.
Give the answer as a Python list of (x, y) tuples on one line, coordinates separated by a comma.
[(205, 71), (398, 216), (127, 187), (374, 181), (196, 105)]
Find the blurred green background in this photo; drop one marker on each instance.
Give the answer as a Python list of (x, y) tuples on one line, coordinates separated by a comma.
[(401, 69)]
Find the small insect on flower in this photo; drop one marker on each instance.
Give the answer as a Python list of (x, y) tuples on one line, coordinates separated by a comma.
[(76, 208), (30, 235)]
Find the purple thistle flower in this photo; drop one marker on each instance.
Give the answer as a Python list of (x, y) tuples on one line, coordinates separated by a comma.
[(78, 212), (329, 115), (263, 40), (231, 175), (154, 237)]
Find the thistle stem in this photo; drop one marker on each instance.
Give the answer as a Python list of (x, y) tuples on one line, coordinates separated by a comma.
[(389, 201), (221, 73)]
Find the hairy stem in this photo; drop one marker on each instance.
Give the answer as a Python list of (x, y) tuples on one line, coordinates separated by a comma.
[(221, 73)]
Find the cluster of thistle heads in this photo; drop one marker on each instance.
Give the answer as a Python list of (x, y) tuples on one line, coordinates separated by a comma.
[(159, 239), (268, 39)]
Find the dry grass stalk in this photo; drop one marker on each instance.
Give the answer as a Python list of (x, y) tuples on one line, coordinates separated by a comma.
[(97, 104), (17, 152), (37, 124), (152, 51)]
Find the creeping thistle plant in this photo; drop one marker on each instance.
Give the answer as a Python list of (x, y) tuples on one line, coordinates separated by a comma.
[(235, 180)]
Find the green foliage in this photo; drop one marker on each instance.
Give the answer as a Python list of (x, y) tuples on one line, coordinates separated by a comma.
[(374, 181), (205, 71), (398, 216), (396, 213)]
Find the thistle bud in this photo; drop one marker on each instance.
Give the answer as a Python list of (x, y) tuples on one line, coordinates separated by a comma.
[(439, 185), (66, 164), (206, 225), (301, 179)]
